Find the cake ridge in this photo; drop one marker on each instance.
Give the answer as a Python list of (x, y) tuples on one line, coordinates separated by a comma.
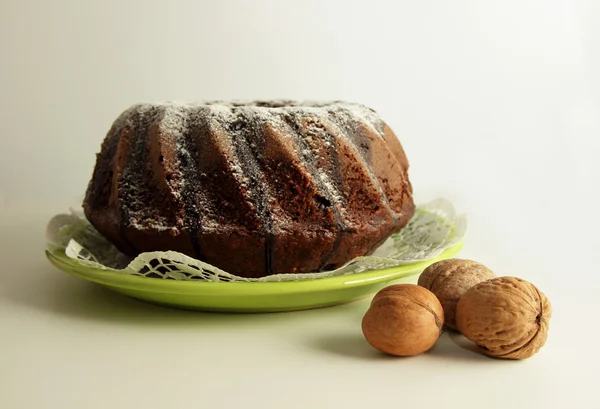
[(365, 155), (362, 121), (191, 189), (243, 127)]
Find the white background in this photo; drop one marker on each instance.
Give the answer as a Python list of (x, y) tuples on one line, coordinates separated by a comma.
[(496, 102)]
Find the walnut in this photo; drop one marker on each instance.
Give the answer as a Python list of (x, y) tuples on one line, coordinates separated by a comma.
[(403, 320), (449, 279), (506, 317)]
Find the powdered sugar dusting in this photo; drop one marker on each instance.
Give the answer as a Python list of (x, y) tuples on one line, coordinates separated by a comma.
[(261, 110), (174, 126), (233, 121), (173, 120)]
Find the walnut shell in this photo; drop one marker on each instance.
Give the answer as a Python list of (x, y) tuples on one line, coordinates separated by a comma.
[(450, 279), (507, 317), (403, 320)]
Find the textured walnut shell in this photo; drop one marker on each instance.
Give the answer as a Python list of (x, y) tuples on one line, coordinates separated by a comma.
[(403, 320), (506, 317), (450, 279)]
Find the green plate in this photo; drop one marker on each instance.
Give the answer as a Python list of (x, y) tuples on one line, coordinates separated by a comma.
[(243, 296)]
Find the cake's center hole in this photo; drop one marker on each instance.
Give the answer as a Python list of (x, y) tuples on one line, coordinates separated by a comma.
[(275, 104)]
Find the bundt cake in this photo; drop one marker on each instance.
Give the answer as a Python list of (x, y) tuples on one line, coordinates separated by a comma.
[(254, 188)]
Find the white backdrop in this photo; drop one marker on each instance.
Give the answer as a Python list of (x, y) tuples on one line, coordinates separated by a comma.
[(497, 103)]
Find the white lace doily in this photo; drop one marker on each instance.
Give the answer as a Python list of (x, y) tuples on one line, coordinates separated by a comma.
[(434, 228)]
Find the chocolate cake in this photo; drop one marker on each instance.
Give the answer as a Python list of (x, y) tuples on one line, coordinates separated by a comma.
[(254, 188)]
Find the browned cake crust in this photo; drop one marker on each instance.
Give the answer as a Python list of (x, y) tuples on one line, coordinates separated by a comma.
[(254, 188)]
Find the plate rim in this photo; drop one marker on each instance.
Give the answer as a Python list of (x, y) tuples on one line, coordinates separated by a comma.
[(60, 260)]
